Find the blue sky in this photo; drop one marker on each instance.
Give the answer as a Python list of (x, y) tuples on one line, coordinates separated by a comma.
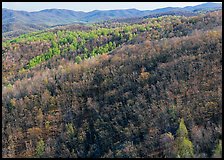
[(90, 6)]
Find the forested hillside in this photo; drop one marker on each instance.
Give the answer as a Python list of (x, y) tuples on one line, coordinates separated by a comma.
[(142, 88), (15, 23)]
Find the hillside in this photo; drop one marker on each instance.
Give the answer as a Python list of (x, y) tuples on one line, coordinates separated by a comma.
[(204, 7), (20, 22), (146, 89)]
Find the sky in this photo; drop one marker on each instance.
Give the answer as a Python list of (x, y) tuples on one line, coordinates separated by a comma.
[(90, 6)]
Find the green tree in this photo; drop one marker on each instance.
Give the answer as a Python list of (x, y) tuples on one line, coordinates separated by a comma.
[(78, 59), (40, 148), (56, 51), (54, 44), (142, 29), (182, 130), (110, 46), (93, 53), (130, 36), (72, 47), (85, 56), (70, 129), (85, 50), (184, 145)]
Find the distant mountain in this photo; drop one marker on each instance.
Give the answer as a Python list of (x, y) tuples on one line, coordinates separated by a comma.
[(98, 15), (22, 21), (204, 6), (162, 10), (172, 13), (154, 15), (19, 22), (48, 16)]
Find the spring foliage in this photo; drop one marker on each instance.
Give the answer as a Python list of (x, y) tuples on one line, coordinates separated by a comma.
[(122, 96), (184, 145)]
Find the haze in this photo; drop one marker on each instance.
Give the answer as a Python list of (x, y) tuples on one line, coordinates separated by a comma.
[(90, 6)]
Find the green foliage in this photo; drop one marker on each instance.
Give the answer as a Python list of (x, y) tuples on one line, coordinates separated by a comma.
[(185, 148), (9, 85), (47, 125), (55, 51), (130, 36), (43, 57), (54, 44), (184, 145), (182, 130), (127, 29), (218, 150), (40, 148), (142, 28), (38, 59), (72, 47), (85, 51), (70, 129), (74, 41), (78, 59)]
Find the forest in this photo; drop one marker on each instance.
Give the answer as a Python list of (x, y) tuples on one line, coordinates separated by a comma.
[(147, 88)]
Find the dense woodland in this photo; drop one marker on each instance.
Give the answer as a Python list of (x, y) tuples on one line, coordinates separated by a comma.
[(151, 88)]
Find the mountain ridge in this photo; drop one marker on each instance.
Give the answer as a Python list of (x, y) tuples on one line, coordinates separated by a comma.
[(10, 18)]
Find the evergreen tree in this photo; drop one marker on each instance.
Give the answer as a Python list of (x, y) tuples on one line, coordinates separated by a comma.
[(40, 148), (184, 145), (182, 130)]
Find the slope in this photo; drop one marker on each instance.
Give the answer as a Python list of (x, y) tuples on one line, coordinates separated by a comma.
[(122, 104), (40, 19)]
